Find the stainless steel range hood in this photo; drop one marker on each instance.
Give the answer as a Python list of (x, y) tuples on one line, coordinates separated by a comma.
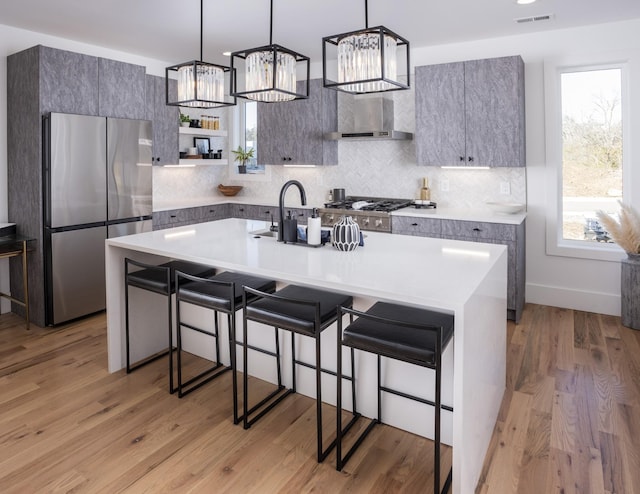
[(372, 119)]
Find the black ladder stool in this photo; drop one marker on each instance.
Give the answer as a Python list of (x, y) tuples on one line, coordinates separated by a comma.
[(157, 279), (408, 334), (301, 310), (220, 293)]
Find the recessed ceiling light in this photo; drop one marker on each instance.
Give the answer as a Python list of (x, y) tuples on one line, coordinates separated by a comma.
[(524, 2)]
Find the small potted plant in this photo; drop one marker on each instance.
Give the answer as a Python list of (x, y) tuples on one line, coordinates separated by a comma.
[(242, 155), (185, 120)]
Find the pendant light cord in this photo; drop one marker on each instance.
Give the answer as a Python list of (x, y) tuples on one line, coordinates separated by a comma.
[(201, 27), (271, 25), (366, 14)]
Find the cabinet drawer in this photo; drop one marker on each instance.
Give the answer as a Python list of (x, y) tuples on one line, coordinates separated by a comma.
[(411, 225), (478, 230), (171, 217), (213, 213)]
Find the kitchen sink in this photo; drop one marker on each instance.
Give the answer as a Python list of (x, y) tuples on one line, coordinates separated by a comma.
[(263, 233)]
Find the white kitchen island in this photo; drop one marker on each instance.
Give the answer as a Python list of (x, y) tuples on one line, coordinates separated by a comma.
[(468, 279)]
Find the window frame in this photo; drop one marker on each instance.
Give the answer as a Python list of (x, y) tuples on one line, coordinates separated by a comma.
[(556, 245)]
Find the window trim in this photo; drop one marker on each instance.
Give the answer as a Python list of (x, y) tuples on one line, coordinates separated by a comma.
[(555, 244)]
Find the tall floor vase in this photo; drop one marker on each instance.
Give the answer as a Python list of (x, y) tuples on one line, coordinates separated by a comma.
[(630, 291)]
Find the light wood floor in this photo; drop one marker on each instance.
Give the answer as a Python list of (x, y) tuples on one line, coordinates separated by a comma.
[(570, 421)]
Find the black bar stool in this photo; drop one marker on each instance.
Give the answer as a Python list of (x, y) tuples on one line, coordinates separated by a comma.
[(301, 310), (157, 279), (408, 334), (220, 293)]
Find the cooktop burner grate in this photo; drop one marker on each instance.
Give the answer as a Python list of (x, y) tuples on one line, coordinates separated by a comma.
[(369, 204)]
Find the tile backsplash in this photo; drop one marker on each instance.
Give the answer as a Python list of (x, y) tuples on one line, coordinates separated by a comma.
[(369, 168)]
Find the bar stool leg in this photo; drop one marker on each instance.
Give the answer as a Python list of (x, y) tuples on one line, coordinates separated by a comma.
[(231, 324), (172, 389)]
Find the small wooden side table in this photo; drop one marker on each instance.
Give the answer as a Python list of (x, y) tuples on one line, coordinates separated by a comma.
[(13, 246)]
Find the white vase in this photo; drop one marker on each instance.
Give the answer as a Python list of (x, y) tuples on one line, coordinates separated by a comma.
[(346, 234)]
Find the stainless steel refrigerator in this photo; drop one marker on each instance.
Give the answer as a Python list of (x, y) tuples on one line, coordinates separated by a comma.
[(97, 185)]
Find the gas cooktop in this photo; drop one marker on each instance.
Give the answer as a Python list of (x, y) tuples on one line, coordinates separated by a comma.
[(371, 213), (363, 203)]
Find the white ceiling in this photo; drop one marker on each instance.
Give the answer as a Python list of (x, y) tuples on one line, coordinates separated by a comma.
[(169, 30)]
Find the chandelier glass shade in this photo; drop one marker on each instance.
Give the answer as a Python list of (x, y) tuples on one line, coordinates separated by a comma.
[(271, 73), (370, 60), (200, 84)]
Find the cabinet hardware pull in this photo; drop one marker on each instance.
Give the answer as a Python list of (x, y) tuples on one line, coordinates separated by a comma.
[(172, 216), (461, 158), (477, 230), (414, 224), (470, 159)]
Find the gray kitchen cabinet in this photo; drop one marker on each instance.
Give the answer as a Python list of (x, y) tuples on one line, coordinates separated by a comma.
[(121, 89), (293, 131), (471, 113), (513, 236), (214, 212), (68, 81), (189, 216), (164, 119), (253, 212), (174, 217), (241, 211), (419, 227)]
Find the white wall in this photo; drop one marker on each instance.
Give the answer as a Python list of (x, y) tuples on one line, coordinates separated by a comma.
[(558, 281)]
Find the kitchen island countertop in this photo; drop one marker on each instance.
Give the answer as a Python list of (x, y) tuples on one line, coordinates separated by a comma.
[(464, 278)]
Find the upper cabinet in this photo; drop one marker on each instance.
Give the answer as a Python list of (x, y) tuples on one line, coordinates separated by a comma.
[(122, 89), (471, 113), (68, 81), (165, 120), (292, 132)]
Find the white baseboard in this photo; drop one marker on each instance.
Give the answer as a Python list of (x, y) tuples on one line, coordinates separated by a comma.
[(601, 303)]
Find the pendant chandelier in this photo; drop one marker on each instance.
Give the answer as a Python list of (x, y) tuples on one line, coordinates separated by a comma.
[(270, 73), (201, 84), (366, 61)]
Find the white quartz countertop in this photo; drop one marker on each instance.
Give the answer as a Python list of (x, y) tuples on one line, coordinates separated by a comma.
[(484, 215), (208, 201), (412, 270)]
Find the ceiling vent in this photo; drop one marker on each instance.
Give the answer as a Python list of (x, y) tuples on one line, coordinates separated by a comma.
[(534, 18)]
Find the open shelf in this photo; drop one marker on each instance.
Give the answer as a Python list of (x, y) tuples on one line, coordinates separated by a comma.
[(202, 132), (200, 162)]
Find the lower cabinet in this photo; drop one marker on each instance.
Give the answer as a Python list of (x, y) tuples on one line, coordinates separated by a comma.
[(513, 236), (189, 216)]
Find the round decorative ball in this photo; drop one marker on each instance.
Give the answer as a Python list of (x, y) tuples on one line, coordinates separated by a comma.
[(346, 234)]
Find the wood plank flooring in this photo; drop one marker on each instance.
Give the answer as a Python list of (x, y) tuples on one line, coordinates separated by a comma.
[(569, 422)]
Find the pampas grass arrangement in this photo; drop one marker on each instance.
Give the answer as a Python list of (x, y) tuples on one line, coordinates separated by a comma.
[(626, 230)]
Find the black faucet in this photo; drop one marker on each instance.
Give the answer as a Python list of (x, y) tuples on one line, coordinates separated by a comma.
[(303, 199)]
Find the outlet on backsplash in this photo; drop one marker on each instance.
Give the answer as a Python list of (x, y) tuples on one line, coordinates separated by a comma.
[(505, 188), (444, 185)]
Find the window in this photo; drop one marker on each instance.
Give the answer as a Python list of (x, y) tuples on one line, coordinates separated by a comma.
[(591, 150), (249, 127), (586, 147)]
